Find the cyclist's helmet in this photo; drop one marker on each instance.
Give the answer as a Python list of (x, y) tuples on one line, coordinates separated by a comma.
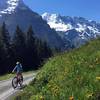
[(17, 62)]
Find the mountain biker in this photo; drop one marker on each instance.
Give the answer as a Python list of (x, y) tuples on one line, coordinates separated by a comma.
[(18, 69)]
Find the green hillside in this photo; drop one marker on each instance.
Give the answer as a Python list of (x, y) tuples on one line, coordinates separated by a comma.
[(68, 76)]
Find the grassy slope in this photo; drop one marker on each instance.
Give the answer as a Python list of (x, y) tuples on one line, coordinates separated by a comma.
[(69, 75)]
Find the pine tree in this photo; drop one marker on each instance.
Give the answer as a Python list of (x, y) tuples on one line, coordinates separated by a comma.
[(5, 36), (5, 47), (18, 44), (31, 48), (47, 52), (30, 37), (39, 50), (2, 58), (43, 51)]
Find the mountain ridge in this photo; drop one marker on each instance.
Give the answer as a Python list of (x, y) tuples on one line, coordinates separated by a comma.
[(57, 18), (64, 25)]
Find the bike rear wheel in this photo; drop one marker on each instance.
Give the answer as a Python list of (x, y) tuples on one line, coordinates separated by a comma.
[(14, 82)]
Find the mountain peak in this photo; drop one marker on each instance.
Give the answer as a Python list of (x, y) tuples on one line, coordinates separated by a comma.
[(55, 21), (48, 16), (9, 6)]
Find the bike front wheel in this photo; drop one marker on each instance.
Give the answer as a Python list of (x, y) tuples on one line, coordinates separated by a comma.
[(14, 82)]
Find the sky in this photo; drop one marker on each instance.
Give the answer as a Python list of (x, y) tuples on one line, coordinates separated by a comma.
[(89, 9)]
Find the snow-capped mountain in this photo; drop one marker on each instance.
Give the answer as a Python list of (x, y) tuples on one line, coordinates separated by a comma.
[(9, 6), (15, 12), (76, 30), (56, 22)]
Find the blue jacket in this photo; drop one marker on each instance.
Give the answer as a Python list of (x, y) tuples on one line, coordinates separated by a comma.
[(18, 68)]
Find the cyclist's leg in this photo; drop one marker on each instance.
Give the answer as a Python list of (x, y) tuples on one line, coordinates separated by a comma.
[(18, 76), (21, 76), (20, 79)]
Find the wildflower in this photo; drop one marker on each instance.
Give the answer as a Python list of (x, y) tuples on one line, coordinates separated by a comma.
[(97, 78), (91, 66), (41, 98), (71, 98), (89, 95), (96, 59), (78, 78)]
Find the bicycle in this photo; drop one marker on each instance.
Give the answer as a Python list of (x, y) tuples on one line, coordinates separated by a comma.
[(17, 80)]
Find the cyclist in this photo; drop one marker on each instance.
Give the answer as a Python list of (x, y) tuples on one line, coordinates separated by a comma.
[(18, 69)]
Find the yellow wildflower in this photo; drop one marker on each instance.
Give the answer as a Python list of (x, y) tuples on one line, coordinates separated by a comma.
[(89, 95), (71, 98), (41, 98), (96, 59), (98, 78)]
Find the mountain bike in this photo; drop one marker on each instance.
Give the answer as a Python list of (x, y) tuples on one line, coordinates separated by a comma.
[(17, 80)]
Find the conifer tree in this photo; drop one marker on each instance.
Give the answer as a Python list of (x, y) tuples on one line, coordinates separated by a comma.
[(18, 44), (47, 52), (5, 36), (2, 58), (4, 47), (31, 48)]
